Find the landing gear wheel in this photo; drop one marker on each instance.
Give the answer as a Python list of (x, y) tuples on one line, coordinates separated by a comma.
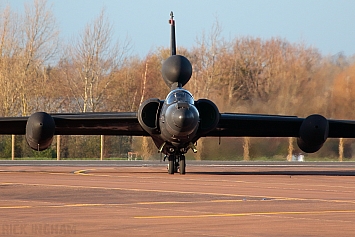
[(171, 167), (176, 166), (182, 165)]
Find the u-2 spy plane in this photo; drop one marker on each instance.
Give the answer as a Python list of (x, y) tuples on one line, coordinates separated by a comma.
[(176, 123)]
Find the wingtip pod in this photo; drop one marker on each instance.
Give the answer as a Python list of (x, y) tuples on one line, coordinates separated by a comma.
[(40, 130), (313, 133)]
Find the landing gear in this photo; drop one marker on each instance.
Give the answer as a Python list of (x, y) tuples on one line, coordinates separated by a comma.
[(182, 166), (171, 165), (176, 162)]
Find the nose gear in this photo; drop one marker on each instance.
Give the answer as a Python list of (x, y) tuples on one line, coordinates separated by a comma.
[(176, 163)]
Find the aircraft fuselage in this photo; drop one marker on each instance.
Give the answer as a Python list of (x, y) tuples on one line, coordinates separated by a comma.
[(179, 118)]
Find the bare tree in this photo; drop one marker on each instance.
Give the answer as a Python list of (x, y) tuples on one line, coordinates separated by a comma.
[(342, 100), (206, 72), (204, 58), (93, 61), (39, 43), (28, 42), (9, 47)]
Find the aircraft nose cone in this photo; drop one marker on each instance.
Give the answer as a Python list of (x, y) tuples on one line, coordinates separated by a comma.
[(183, 118)]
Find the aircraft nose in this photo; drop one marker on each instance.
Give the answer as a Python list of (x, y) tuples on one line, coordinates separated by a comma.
[(183, 118)]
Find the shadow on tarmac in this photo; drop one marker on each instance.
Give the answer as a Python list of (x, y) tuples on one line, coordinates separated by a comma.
[(290, 173)]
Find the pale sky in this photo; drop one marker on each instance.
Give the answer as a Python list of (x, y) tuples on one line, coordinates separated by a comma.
[(328, 25)]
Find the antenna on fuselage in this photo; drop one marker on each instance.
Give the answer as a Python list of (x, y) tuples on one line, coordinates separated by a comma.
[(173, 39)]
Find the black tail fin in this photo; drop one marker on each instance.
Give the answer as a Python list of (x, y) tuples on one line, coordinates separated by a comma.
[(173, 40)]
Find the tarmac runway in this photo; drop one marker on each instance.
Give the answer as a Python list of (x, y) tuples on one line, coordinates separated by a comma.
[(114, 198)]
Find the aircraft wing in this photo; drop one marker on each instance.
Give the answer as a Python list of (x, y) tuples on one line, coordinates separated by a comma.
[(253, 125), (120, 123)]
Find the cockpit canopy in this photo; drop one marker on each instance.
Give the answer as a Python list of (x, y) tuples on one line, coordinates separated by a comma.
[(179, 95)]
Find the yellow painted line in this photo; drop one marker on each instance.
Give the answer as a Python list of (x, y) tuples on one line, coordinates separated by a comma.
[(64, 205), (237, 181), (207, 201), (15, 207), (232, 200), (246, 214), (268, 198), (82, 172), (154, 190), (157, 203), (110, 204)]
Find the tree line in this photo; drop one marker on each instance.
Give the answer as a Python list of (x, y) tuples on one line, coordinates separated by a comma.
[(94, 72)]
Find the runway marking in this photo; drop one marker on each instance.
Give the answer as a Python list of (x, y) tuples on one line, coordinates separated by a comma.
[(193, 202), (247, 214), (182, 192), (15, 207), (82, 172), (59, 206), (291, 185), (87, 172), (153, 190), (246, 182), (116, 204)]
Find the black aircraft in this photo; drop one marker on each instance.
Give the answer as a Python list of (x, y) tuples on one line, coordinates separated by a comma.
[(176, 123)]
